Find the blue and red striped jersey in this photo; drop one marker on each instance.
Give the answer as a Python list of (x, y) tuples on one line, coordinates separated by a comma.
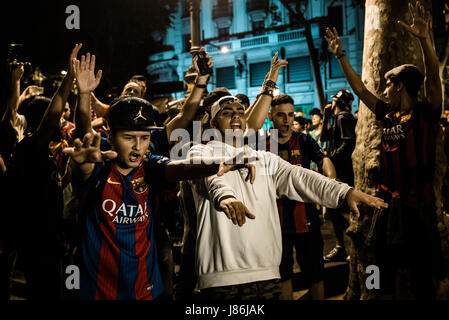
[(295, 216), (119, 258), (407, 153)]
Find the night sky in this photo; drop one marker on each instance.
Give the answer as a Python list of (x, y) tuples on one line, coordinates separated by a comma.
[(118, 32)]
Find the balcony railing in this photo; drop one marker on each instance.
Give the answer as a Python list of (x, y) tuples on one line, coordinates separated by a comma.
[(268, 39), (222, 11), (254, 5)]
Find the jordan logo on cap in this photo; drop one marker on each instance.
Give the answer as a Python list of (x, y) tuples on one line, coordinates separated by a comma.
[(139, 115)]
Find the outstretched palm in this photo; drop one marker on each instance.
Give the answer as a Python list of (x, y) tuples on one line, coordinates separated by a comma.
[(334, 41), (88, 151), (86, 79), (420, 21)]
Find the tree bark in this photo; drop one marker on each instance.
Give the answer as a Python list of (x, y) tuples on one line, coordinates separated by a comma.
[(386, 45)]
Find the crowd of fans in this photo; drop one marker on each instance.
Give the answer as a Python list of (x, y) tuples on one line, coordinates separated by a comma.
[(110, 188)]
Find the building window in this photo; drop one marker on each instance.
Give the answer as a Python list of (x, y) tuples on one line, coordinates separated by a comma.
[(335, 16), (225, 77), (258, 71), (334, 68), (258, 27), (223, 34), (186, 42), (299, 69)]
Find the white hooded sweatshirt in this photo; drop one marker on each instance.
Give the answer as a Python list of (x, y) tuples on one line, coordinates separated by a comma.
[(227, 254)]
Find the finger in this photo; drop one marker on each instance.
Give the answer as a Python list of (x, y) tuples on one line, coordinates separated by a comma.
[(232, 213), (77, 66), (88, 61), (92, 63), (355, 210), (240, 215), (108, 154), (77, 144), (252, 169), (411, 10), (335, 33), (83, 63), (249, 214), (96, 140), (275, 57), (406, 26), (87, 140), (68, 151), (226, 211), (98, 76)]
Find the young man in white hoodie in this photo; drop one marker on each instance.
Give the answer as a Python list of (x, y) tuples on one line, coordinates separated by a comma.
[(241, 260)]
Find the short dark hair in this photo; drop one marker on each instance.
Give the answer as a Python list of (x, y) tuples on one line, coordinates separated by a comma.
[(243, 98), (281, 99), (316, 111), (34, 112), (409, 75), (301, 120)]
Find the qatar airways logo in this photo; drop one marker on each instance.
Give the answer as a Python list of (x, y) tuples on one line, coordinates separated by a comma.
[(125, 213)]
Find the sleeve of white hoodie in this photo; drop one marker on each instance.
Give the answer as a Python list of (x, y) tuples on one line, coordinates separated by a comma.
[(301, 184), (217, 187)]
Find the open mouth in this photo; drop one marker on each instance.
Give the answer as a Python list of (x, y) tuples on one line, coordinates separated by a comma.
[(134, 157), (236, 126)]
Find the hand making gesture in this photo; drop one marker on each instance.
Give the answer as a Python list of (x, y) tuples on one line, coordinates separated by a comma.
[(202, 79), (86, 79), (88, 151), (276, 65), (240, 161), (334, 41), (420, 21)]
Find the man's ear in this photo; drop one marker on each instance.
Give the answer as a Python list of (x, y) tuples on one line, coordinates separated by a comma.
[(399, 86), (212, 123)]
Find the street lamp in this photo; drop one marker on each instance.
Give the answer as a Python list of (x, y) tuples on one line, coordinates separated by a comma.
[(222, 48)]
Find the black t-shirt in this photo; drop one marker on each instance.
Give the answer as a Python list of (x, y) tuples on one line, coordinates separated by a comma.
[(37, 191), (341, 145)]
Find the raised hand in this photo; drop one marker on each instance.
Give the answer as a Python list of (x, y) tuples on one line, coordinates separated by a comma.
[(202, 78), (276, 65), (334, 41), (355, 197), (235, 210), (86, 79), (17, 72), (420, 21), (88, 151), (73, 56), (238, 162)]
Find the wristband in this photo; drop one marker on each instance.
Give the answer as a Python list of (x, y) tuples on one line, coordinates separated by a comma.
[(202, 86), (341, 56), (270, 84)]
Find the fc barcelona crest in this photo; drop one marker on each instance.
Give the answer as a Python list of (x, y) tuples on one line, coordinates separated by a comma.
[(139, 185)]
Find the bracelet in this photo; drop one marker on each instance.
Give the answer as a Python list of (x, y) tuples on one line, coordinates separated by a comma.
[(341, 56), (267, 91), (202, 86), (270, 84)]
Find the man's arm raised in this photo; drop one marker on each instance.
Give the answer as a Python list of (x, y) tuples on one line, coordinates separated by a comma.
[(357, 85), (420, 29)]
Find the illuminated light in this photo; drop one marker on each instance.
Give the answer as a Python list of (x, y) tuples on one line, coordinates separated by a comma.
[(63, 72), (224, 49)]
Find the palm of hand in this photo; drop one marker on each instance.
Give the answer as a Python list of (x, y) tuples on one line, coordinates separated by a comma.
[(86, 80), (419, 27), (87, 154)]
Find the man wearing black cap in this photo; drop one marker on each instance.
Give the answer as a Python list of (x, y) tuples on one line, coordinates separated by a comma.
[(341, 137), (406, 235), (118, 256)]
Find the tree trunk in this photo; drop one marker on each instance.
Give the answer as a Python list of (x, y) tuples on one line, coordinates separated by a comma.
[(386, 45)]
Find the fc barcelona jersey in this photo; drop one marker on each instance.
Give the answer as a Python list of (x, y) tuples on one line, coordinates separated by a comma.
[(118, 251)]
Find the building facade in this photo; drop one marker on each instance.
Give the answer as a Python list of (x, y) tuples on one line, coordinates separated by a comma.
[(243, 35)]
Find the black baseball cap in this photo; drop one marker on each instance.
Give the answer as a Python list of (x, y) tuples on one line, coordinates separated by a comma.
[(131, 113), (343, 97)]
